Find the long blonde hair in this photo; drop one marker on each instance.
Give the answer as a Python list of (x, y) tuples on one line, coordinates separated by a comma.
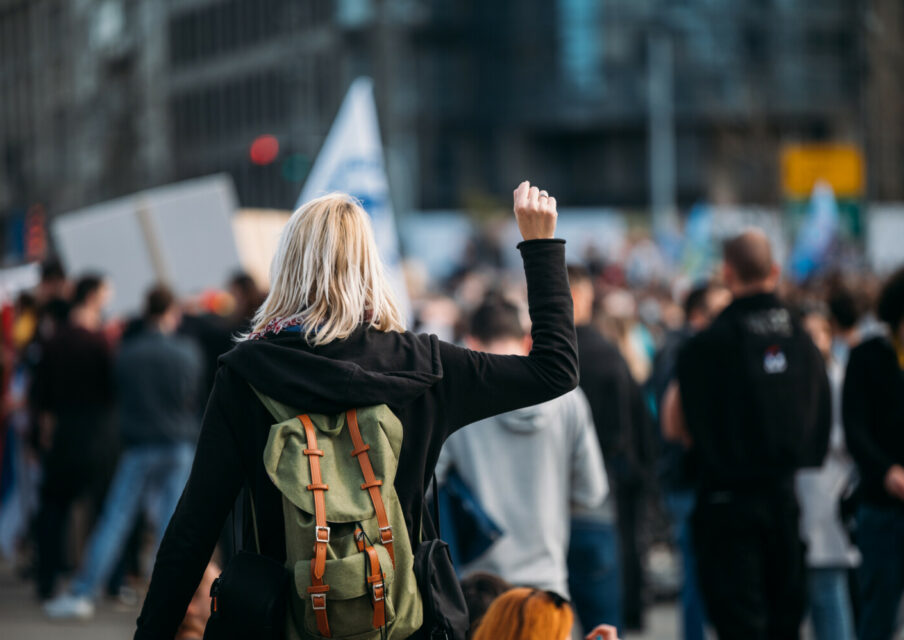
[(327, 275)]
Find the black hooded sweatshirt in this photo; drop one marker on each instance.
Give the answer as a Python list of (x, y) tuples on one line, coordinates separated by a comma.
[(433, 387)]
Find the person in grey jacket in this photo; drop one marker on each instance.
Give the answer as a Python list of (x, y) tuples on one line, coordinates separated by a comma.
[(527, 468), (157, 376)]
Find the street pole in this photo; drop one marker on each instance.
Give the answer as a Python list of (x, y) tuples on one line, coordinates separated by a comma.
[(660, 92)]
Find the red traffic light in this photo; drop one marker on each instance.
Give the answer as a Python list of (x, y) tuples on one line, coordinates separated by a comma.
[(264, 149)]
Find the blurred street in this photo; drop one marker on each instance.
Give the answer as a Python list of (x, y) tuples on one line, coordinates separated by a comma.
[(21, 618)]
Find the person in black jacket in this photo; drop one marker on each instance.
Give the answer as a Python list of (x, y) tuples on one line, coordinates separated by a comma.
[(72, 396), (753, 402), (329, 337), (676, 470), (873, 413), (603, 561), (157, 375)]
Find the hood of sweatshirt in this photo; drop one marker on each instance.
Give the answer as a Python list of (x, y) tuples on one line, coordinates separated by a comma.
[(369, 367), (526, 420)]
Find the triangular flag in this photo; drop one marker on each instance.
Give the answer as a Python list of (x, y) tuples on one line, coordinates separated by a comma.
[(351, 160), (698, 256), (816, 234)]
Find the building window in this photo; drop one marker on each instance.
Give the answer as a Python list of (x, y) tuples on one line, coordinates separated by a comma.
[(223, 28)]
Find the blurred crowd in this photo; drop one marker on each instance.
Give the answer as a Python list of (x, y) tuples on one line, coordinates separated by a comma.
[(638, 547), (101, 418)]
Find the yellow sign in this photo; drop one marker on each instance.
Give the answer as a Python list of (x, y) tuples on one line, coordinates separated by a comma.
[(840, 165)]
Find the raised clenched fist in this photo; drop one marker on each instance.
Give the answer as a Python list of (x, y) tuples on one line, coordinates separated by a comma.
[(535, 211)]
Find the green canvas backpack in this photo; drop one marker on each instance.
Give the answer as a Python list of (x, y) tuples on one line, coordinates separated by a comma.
[(346, 540)]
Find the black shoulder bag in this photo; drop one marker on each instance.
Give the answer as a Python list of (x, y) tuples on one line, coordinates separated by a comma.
[(248, 600), (445, 610)]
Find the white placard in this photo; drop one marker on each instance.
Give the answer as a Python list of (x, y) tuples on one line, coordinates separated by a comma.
[(180, 234)]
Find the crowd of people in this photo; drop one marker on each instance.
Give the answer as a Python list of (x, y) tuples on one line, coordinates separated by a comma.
[(755, 425), (102, 420)]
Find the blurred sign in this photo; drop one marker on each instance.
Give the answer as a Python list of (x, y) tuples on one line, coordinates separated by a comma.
[(439, 240), (179, 234), (885, 231), (15, 280), (839, 165), (257, 236), (589, 234)]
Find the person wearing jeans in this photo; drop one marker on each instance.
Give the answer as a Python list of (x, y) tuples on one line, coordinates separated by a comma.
[(149, 477), (830, 554), (873, 411), (680, 505), (594, 577), (157, 376), (880, 533), (72, 400), (596, 571)]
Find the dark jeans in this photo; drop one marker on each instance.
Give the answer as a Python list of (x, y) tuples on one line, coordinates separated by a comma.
[(52, 523), (628, 504), (78, 467), (681, 505), (830, 604), (750, 563), (594, 578), (880, 536)]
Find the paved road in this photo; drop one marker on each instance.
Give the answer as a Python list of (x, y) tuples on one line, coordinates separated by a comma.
[(21, 618)]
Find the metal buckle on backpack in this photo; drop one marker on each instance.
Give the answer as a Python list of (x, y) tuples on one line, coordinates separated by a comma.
[(318, 598), (378, 586), (317, 537), (382, 538)]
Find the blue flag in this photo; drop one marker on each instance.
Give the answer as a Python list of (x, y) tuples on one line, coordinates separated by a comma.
[(816, 235)]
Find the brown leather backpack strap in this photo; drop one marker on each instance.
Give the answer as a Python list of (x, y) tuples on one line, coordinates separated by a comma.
[(377, 583), (376, 579), (371, 483), (318, 589)]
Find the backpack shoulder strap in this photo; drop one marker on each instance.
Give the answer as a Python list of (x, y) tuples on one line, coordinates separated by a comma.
[(371, 483), (278, 410)]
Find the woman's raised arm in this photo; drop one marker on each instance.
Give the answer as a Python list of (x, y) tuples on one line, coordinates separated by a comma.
[(477, 385)]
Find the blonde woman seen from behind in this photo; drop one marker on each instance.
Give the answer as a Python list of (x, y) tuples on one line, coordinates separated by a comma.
[(329, 338)]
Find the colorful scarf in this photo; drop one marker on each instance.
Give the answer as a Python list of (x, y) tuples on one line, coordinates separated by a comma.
[(276, 325)]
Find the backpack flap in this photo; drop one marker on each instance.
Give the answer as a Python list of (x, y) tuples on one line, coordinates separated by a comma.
[(288, 466), (346, 576)]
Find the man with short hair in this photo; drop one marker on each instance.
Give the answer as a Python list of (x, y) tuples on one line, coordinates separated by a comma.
[(753, 402), (157, 376), (526, 468), (873, 413)]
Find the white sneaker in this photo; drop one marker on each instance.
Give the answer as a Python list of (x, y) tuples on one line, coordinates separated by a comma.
[(69, 607)]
